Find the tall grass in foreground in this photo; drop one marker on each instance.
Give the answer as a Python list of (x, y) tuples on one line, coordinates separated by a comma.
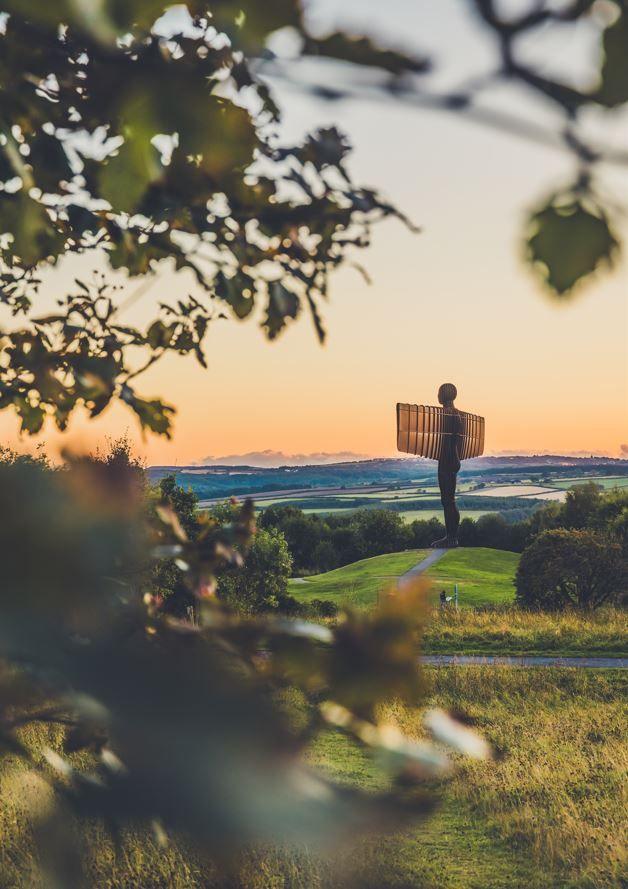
[(514, 630), (558, 789), (548, 813)]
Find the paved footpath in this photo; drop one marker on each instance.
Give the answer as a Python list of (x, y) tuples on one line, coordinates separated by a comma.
[(601, 663), (421, 567)]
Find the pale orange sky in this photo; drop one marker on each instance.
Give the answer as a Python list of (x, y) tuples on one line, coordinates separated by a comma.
[(454, 303)]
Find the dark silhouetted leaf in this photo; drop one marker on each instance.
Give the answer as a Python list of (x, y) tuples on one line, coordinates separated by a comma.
[(614, 88), (568, 242), (153, 415), (282, 304), (231, 290), (125, 177), (49, 161), (35, 238), (32, 416), (362, 51)]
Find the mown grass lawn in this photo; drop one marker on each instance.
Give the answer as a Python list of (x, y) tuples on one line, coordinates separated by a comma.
[(484, 576), (360, 584)]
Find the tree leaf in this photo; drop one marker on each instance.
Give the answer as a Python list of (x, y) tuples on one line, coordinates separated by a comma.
[(568, 242), (282, 304), (231, 290), (125, 177), (159, 336), (32, 416), (35, 238), (362, 51), (153, 415), (49, 14), (249, 22), (49, 161), (614, 88), (221, 132), (124, 14)]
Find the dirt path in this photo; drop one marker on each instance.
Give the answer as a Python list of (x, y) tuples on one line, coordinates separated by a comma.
[(600, 663)]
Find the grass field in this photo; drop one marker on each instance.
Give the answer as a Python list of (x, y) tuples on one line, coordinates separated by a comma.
[(555, 794), (546, 814), (359, 584), (512, 631), (521, 490), (426, 514), (605, 481), (484, 577)]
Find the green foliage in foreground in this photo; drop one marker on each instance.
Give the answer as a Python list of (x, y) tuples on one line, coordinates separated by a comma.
[(177, 717), (545, 816), (190, 173), (360, 584)]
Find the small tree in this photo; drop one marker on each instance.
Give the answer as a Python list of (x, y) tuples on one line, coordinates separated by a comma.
[(184, 501), (582, 505), (382, 531), (325, 556), (262, 582), (424, 532), (562, 568), (165, 580)]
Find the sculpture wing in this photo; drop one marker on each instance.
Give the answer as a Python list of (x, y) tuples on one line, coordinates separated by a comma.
[(422, 430)]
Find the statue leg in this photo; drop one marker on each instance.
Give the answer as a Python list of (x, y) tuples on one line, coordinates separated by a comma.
[(447, 482)]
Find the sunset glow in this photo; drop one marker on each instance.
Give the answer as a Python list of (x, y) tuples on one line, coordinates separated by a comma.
[(454, 302)]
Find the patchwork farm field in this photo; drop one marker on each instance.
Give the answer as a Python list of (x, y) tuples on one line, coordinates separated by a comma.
[(423, 501), (517, 491), (605, 481), (425, 515)]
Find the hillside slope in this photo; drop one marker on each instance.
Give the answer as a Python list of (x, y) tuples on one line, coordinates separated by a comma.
[(484, 577)]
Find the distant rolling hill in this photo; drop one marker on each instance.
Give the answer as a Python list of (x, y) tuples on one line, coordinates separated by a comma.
[(218, 482)]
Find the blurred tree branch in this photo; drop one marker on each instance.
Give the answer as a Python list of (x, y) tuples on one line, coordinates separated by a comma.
[(152, 139)]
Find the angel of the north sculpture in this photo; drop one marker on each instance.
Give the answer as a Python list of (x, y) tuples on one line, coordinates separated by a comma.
[(447, 435)]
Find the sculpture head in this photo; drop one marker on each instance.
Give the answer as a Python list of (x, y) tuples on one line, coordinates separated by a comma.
[(447, 393)]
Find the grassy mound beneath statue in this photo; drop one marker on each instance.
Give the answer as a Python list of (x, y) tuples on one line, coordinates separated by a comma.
[(484, 577)]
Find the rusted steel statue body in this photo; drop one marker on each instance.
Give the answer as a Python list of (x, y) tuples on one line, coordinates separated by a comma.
[(447, 435)]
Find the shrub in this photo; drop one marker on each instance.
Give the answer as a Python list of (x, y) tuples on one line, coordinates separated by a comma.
[(323, 608), (261, 583), (562, 568)]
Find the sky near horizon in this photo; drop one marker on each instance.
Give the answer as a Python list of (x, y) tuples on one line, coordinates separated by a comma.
[(453, 303)]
